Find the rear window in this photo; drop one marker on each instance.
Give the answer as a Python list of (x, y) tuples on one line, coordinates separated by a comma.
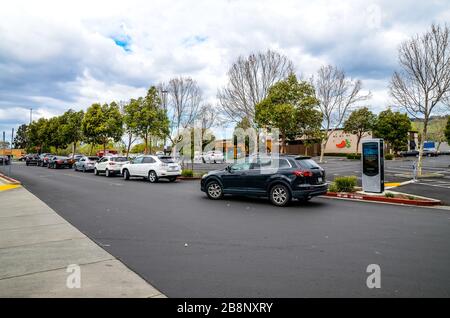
[(119, 159), (307, 163), (93, 158), (166, 159)]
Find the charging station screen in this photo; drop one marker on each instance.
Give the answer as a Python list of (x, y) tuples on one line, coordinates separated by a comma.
[(370, 159)]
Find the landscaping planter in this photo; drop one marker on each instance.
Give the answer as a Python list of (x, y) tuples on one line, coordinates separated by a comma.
[(365, 197)]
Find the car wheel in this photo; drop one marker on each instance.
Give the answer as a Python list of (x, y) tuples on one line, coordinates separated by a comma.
[(84, 169), (27, 163), (126, 175), (280, 195), (49, 166), (107, 173), (96, 171), (214, 190), (172, 179), (75, 168), (152, 177)]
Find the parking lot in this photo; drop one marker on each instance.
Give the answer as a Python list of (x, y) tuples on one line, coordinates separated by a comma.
[(189, 246)]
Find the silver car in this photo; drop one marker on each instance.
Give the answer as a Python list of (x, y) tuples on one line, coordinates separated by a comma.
[(86, 163)]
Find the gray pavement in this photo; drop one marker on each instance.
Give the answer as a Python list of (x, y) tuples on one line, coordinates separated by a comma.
[(189, 246), (37, 246)]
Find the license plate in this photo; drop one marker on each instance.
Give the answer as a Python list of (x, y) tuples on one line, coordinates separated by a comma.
[(320, 179)]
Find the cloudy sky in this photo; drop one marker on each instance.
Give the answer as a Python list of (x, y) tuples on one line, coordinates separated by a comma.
[(56, 55)]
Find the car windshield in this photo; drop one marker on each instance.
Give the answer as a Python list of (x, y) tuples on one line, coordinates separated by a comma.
[(119, 159), (308, 163), (93, 158), (166, 159)]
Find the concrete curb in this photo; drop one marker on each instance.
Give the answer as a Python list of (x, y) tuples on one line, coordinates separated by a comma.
[(363, 197), (189, 178), (9, 180)]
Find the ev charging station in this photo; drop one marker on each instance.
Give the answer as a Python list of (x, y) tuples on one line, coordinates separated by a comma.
[(373, 165)]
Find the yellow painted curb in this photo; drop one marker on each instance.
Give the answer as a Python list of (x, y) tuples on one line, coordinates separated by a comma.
[(8, 186), (392, 184)]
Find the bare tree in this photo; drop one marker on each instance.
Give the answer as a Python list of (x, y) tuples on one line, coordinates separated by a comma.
[(337, 96), (185, 98), (423, 83), (249, 80)]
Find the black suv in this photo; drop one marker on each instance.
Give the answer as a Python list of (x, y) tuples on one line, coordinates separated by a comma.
[(281, 178)]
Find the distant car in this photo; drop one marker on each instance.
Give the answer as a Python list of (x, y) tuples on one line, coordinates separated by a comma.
[(213, 157), (415, 153), (23, 157), (159, 153), (44, 158), (110, 165), (280, 178), (5, 160), (55, 162), (152, 167), (86, 163), (32, 159)]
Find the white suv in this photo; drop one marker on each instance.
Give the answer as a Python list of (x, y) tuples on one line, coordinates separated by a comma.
[(110, 165), (152, 167), (213, 157)]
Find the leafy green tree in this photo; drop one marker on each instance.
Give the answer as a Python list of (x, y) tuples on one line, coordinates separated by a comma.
[(54, 133), (21, 138), (393, 127), (447, 130), (102, 123), (70, 129), (360, 122), (150, 119), (37, 134), (288, 107), (130, 116)]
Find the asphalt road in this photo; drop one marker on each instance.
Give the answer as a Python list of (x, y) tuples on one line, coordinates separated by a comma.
[(188, 246)]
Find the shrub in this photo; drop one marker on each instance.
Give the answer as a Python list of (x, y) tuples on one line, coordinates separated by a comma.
[(332, 187), (389, 195), (335, 154), (356, 156), (345, 184), (187, 173), (388, 156)]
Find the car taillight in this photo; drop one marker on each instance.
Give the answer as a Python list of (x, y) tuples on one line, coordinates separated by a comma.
[(303, 173)]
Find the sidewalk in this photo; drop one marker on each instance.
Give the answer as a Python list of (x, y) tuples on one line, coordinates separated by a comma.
[(37, 246)]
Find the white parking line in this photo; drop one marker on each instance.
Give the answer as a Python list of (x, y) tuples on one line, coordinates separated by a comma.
[(433, 185)]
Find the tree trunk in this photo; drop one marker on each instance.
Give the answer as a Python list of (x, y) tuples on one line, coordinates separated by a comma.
[(283, 144), (422, 141), (323, 144), (150, 145), (130, 136), (357, 143), (145, 143), (104, 148)]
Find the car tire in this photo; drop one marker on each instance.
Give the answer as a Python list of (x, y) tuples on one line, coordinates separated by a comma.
[(96, 172), (214, 190), (75, 168), (126, 174), (84, 169), (26, 163), (152, 177), (280, 195), (107, 173)]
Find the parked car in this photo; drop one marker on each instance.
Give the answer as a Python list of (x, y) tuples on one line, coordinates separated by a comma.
[(23, 157), (32, 159), (44, 158), (55, 162), (110, 165), (5, 160), (213, 157), (152, 167), (159, 153), (108, 152), (415, 153), (86, 163), (280, 178)]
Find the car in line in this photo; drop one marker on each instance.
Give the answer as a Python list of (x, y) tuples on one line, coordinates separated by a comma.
[(32, 159), (281, 178), (153, 168), (56, 162), (110, 165), (213, 156), (85, 163), (5, 160), (44, 158)]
